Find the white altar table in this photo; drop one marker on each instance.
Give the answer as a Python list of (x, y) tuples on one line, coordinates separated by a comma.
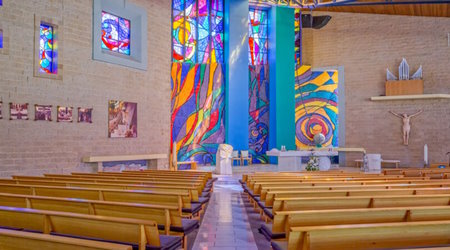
[(291, 160)]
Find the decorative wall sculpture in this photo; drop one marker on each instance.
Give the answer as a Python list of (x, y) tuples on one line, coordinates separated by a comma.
[(18, 111), (316, 106), (64, 114), (406, 128), (258, 128), (198, 106), (43, 112), (122, 119)]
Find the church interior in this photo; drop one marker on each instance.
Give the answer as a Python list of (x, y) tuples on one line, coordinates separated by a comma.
[(224, 124)]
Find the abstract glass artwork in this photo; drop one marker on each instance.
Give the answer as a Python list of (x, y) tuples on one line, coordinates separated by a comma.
[(64, 114), (316, 106), (258, 127), (115, 33), (43, 112), (1, 2), (47, 50), (198, 108), (197, 31), (18, 111), (298, 37), (122, 119), (257, 41)]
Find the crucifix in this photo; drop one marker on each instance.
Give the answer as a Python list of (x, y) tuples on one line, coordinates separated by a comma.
[(406, 124)]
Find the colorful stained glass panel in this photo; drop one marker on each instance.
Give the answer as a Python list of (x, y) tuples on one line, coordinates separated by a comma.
[(1, 39), (298, 37), (115, 33), (258, 41), (197, 33), (46, 53)]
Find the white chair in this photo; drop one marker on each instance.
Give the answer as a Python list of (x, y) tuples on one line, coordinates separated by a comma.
[(235, 157), (245, 157)]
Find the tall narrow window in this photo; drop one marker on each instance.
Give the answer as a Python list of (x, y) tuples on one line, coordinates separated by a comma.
[(115, 33), (1, 39), (47, 50), (197, 31), (257, 41), (298, 37)]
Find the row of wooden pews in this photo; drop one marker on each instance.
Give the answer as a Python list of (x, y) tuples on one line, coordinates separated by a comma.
[(144, 210), (339, 210)]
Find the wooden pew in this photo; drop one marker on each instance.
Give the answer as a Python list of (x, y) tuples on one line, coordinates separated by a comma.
[(19, 240), (136, 180), (185, 172), (323, 203), (257, 187), (265, 189), (182, 201), (167, 217), (108, 181), (128, 231), (41, 181), (167, 180), (369, 236), (283, 220), (155, 176), (271, 195)]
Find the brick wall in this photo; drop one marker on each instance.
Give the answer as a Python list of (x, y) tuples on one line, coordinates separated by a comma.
[(35, 147), (367, 44)]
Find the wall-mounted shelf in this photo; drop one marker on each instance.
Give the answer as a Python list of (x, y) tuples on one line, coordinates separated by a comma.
[(409, 97)]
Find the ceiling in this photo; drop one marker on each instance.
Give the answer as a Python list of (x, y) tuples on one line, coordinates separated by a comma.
[(434, 10)]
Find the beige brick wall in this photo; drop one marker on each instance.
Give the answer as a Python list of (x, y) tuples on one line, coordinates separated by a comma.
[(35, 147), (367, 44)]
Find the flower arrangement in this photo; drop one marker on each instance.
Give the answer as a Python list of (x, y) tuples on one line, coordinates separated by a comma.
[(313, 164)]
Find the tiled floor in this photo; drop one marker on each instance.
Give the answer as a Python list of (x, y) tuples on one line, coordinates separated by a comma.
[(225, 225)]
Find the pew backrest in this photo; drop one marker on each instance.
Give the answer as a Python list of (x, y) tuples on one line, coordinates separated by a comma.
[(19, 240)]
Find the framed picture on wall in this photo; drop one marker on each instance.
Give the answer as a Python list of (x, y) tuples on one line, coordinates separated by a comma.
[(43, 112), (18, 111), (122, 119), (65, 114), (85, 115)]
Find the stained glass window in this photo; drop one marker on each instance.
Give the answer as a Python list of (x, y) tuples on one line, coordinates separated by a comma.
[(47, 50), (298, 37), (115, 33), (1, 39), (197, 33), (257, 41)]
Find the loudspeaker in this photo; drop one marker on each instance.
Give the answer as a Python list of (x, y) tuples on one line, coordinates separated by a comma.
[(315, 22)]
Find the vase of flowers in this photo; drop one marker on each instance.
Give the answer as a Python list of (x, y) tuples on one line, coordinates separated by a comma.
[(313, 164)]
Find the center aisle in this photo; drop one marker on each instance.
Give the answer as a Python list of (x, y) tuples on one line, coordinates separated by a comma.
[(225, 225)]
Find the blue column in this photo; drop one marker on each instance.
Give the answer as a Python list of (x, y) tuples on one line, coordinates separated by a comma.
[(237, 75), (282, 78)]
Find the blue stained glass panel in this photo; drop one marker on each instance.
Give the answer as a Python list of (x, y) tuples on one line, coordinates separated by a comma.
[(258, 42), (1, 38), (46, 55), (115, 33)]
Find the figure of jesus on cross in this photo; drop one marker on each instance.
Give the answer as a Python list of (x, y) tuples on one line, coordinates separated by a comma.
[(406, 124)]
